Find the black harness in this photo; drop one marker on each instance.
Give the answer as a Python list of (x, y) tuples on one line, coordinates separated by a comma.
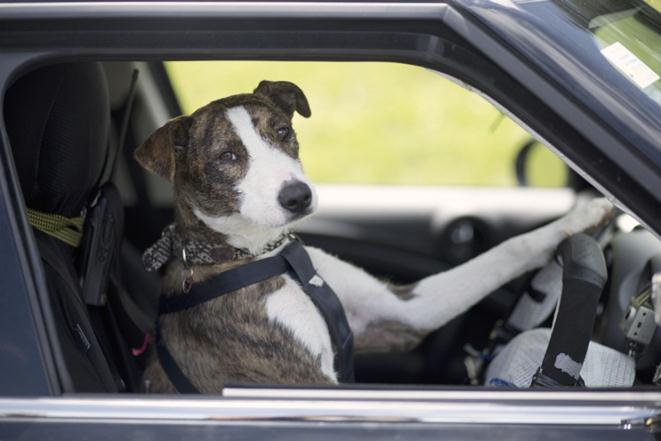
[(292, 260)]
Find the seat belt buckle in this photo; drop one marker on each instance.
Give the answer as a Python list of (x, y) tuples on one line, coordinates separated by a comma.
[(639, 324), (476, 361)]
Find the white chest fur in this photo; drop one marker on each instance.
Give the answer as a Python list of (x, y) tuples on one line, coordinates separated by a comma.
[(294, 310)]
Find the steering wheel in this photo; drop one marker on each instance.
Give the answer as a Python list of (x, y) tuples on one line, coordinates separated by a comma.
[(554, 357), (538, 297), (584, 275)]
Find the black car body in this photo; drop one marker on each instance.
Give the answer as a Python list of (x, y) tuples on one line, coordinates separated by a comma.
[(534, 59)]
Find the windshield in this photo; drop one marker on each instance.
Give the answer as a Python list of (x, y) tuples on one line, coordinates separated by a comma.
[(628, 35)]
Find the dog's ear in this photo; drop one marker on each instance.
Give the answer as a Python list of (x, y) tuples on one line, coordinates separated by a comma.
[(287, 96), (157, 153)]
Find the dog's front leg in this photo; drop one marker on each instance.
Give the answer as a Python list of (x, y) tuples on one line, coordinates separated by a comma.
[(384, 317)]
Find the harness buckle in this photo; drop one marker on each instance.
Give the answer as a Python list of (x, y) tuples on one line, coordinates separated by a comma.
[(316, 281)]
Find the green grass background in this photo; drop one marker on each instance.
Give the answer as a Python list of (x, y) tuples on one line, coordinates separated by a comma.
[(380, 123)]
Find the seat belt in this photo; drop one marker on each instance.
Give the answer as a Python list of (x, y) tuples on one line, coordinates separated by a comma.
[(104, 224), (292, 260), (142, 320), (99, 261)]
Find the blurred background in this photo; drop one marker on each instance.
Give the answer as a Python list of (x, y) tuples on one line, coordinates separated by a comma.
[(382, 123)]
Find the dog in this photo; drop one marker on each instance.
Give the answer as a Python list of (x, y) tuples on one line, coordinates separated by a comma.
[(239, 184)]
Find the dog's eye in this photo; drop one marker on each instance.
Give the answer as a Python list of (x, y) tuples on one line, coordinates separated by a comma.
[(283, 132), (228, 156)]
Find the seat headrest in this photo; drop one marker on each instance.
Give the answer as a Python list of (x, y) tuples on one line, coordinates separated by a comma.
[(58, 119)]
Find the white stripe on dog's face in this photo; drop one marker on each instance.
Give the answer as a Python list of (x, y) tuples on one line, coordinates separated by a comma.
[(269, 168)]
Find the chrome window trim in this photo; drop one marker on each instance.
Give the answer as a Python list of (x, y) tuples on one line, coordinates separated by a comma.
[(504, 395), (342, 406), (161, 9)]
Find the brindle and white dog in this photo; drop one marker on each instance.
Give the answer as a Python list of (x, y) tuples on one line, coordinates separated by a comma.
[(238, 181)]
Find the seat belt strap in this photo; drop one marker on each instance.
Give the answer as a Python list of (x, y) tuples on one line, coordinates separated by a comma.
[(140, 319)]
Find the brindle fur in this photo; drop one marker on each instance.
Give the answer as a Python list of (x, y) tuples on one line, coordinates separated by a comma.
[(231, 339), (390, 335)]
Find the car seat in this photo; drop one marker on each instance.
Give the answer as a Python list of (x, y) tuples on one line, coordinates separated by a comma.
[(58, 122)]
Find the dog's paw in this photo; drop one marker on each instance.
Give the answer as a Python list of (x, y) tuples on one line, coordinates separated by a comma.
[(587, 215)]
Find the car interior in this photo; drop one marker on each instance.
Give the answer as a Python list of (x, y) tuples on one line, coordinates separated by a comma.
[(73, 127)]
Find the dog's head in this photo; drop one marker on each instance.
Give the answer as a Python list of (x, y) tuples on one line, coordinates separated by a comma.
[(235, 161)]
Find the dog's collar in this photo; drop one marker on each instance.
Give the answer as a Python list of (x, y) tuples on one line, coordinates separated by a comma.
[(195, 252)]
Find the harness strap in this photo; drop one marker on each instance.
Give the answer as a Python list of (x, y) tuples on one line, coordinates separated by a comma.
[(328, 305), (293, 260), (171, 368), (224, 283)]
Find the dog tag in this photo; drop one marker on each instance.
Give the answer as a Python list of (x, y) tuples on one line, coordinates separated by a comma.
[(186, 285)]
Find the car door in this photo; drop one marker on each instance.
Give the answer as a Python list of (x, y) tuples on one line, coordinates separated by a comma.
[(432, 35)]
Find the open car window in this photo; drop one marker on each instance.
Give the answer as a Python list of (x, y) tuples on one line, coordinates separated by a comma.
[(382, 123), (390, 228)]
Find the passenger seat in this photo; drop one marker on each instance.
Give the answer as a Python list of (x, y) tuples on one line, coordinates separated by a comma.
[(58, 121)]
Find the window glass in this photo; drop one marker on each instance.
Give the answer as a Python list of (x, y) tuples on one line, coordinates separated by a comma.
[(380, 123), (630, 40), (656, 4), (628, 34)]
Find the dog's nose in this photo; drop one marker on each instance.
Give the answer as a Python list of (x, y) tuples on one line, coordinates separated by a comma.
[(295, 197)]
